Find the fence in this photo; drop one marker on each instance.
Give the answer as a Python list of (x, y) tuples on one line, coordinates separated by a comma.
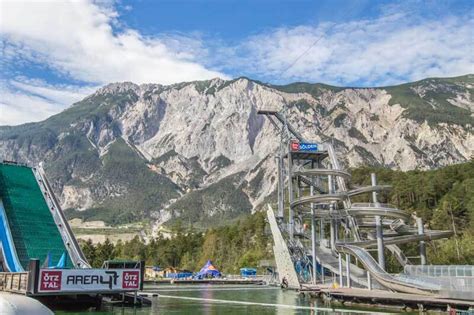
[(456, 281), (440, 270)]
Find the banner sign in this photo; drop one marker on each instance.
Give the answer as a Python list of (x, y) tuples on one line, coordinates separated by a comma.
[(302, 146), (88, 280)]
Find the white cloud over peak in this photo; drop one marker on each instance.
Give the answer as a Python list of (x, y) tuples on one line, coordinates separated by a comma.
[(77, 39), (25, 100), (387, 50)]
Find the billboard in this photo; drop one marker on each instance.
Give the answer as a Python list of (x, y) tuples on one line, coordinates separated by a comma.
[(296, 146), (88, 280)]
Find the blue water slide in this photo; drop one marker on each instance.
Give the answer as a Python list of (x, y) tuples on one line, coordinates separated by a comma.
[(7, 247)]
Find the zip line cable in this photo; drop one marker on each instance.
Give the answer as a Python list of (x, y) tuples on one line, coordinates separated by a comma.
[(346, 12)]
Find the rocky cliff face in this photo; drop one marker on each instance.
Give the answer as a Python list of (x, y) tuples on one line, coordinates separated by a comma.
[(200, 152)]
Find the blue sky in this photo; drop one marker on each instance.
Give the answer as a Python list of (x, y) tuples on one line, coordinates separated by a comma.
[(54, 53)]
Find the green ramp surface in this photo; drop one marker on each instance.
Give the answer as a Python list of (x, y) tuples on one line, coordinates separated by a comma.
[(32, 226)]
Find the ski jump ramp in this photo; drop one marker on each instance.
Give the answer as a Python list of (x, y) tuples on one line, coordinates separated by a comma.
[(32, 223)]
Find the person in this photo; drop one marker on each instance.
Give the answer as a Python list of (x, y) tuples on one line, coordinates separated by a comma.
[(284, 283)]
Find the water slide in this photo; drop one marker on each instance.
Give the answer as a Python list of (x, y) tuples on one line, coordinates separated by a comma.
[(399, 232), (403, 239), (357, 213), (400, 283), (32, 227)]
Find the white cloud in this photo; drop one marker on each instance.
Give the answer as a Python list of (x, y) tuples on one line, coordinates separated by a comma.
[(391, 49), (60, 94), (28, 101), (77, 39)]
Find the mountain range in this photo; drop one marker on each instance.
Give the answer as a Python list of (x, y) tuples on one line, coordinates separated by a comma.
[(198, 151)]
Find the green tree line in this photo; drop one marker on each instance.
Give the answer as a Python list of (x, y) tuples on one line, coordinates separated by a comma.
[(231, 247)]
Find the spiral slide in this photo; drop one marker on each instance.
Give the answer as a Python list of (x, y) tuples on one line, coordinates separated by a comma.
[(365, 214)]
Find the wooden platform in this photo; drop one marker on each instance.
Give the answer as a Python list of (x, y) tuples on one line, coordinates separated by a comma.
[(379, 297)]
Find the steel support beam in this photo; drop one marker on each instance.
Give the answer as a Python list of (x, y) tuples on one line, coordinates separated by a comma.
[(313, 245), (421, 231), (380, 246), (291, 219), (369, 281), (313, 233), (321, 229), (348, 270), (331, 210), (341, 278), (378, 227), (281, 188), (322, 273), (374, 183)]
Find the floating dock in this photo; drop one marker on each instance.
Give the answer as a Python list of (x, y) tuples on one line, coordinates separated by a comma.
[(405, 301)]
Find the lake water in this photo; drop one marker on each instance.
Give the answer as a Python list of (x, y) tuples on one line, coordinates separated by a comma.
[(229, 300)]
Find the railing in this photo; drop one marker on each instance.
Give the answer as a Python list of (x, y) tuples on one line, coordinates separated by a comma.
[(16, 282), (455, 279), (265, 278), (440, 270), (372, 205), (72, 246)]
